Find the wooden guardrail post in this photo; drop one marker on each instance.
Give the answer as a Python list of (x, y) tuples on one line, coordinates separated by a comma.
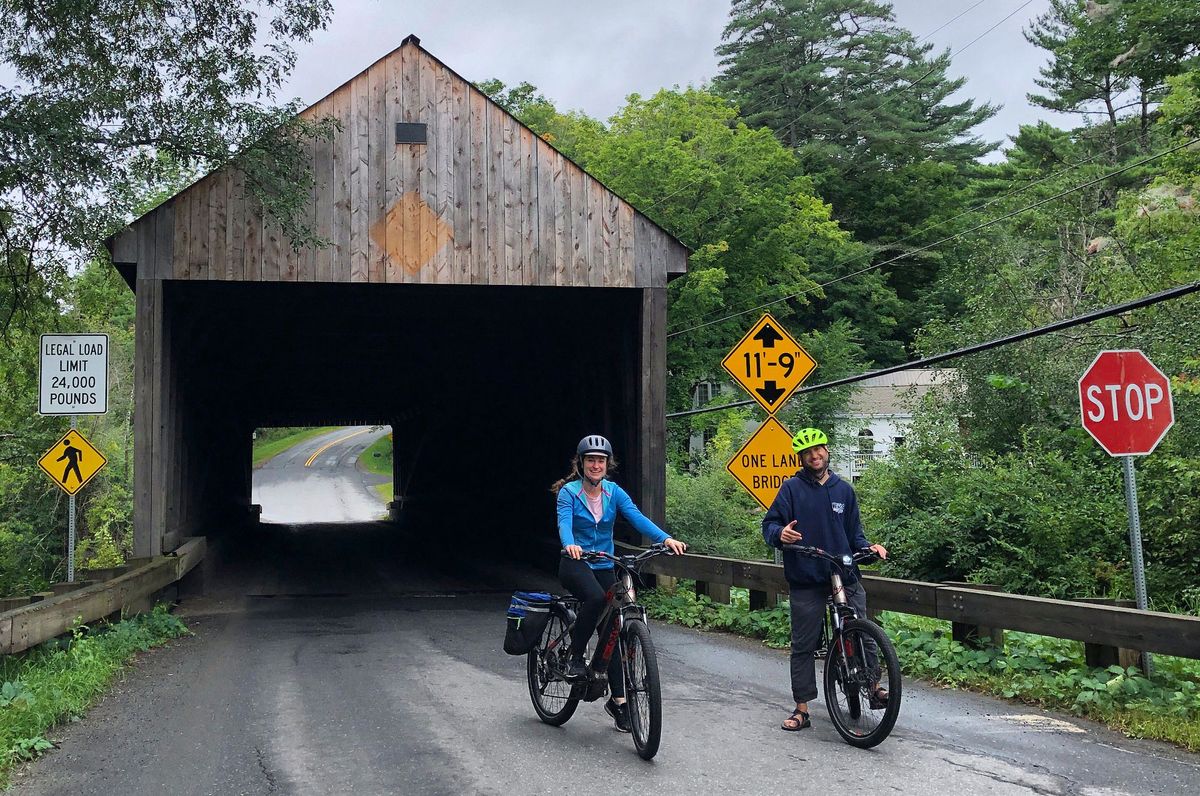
[(759, 600), (717, 592), (971, 634), (1105, 655)]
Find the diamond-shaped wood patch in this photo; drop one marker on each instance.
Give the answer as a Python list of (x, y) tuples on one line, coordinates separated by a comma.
[(411, 233)]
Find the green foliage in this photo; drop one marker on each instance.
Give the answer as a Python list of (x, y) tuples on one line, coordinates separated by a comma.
[(33, 522), (682, 607), (90, 131), (1052, 673), (1102, 50), (867, 110), (377, 458), (1034, 521), (58, 681)]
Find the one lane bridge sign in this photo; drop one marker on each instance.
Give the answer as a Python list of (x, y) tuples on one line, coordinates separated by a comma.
[(74, 374), (72, 462), (769, 364), (765, 461)]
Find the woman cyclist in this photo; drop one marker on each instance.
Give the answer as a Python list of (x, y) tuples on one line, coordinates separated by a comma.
[(588, 505)]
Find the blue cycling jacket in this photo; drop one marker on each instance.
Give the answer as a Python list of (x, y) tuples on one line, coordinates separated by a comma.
[(576, 525)]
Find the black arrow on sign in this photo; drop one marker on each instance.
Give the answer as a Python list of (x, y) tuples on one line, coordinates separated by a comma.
[(767, 336), (770, 392)]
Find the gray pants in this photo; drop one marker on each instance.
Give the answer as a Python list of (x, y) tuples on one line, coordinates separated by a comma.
[(808, 612)]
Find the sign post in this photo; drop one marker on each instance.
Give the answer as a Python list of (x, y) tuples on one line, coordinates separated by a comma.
[(73, 381), (1125, 404)]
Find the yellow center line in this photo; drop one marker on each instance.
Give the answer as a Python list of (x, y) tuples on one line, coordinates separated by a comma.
[(329, 445)]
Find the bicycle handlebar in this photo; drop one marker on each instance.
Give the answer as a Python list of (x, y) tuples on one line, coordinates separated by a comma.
[(858, 557), (626, 561)]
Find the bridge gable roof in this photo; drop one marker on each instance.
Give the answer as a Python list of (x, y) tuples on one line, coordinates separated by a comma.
[(483, 201)]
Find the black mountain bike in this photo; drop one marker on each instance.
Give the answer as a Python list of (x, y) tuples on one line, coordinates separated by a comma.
[(860, 662), (555, 699)]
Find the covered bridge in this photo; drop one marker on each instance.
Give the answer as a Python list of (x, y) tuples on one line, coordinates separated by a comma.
[(481, 293)]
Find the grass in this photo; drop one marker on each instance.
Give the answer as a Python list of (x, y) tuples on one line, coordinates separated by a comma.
[(57, 681), (377, 458), (273, 441), (1037, 670)]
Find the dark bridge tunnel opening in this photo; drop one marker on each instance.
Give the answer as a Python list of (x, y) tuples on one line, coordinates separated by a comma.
[(487, 390)]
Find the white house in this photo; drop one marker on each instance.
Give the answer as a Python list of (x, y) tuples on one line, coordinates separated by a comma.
[(879, 417)]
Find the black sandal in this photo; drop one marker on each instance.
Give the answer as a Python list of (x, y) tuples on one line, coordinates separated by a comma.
[(799, 718), (879, 699)]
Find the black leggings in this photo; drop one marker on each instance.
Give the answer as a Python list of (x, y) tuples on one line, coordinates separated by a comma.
[(589, 586)]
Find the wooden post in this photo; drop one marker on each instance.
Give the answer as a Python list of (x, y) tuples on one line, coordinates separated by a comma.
[(977, 636), (653, 406), (717, 592), (759, 600), (1104, 655)]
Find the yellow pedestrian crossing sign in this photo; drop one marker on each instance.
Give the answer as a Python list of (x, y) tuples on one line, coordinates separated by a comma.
[(72, 462)]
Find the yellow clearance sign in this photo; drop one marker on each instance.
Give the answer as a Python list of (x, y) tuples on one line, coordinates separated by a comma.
[(769, 364), (765, 461), (72, 462)]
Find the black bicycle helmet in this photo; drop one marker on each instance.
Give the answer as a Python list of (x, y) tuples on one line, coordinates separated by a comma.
[(593, 443)]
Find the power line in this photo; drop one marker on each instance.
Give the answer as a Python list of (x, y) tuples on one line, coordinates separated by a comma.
[(947, 239), (1079, 320)]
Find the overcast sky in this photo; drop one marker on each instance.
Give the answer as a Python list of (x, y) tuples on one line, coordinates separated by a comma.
[(589, 56)]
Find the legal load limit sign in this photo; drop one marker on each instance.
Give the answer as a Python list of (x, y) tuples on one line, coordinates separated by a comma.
[(74, 374), (765, 461)]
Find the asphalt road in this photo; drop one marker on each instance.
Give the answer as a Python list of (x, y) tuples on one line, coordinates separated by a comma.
[(339, 658), (318, 480)]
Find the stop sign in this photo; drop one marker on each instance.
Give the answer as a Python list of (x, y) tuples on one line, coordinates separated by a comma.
[(1125, 402)]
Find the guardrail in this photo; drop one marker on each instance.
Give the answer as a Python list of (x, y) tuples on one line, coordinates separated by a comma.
[(975, 612), (130, 592)]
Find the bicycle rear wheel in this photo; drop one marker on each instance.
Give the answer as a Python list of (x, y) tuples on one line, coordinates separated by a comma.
[(643, 692), (549, 690), (861, 660)]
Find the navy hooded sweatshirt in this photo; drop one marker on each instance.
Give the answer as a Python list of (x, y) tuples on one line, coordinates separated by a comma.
[(827, 517)]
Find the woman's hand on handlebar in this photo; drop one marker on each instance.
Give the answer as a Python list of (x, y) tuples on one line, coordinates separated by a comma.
[(675, 546), (879, 550), (574, 551)]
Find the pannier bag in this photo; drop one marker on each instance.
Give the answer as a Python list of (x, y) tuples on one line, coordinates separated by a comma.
[(528, 614)]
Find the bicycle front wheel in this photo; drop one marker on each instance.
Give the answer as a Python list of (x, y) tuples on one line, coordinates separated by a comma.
[(549, 690), (861, 665), (643, 693)]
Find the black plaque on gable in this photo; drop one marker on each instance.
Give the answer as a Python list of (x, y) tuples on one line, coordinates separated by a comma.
[(410, 133)]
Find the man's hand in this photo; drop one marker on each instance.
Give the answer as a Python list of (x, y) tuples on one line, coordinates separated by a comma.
[(675, 546), (789, 535), (880, 550), (574, 551)]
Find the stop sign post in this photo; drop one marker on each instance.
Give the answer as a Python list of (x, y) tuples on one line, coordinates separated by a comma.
[(1125, 404)]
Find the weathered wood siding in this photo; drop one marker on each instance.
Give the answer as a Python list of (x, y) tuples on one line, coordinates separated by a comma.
[(484, 201)]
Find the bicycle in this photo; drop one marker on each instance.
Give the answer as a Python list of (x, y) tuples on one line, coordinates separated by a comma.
[(555, 698), (855, 647)]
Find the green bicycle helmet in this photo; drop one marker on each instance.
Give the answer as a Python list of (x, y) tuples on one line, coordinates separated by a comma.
[(808, 438)]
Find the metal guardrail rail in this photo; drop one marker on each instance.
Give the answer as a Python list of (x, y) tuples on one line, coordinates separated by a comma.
[(30, 625), (1101, 625)]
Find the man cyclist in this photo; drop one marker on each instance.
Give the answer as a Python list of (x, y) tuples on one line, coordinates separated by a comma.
[(818, 508), (588, 505)]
